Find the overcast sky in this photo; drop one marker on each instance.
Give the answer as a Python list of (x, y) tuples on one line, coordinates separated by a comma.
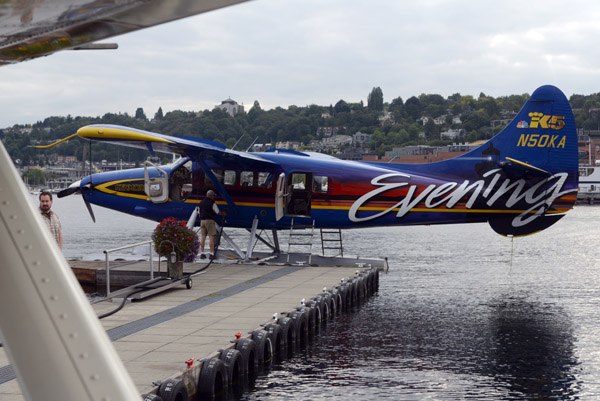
[(301, 52)]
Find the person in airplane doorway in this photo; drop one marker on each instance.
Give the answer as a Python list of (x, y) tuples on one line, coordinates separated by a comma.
[(51, 218), (208, 211)]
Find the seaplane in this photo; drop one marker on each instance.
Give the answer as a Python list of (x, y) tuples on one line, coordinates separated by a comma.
[(520, 182)]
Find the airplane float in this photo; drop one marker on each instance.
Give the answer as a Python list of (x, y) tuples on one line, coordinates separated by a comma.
[(521, 181)]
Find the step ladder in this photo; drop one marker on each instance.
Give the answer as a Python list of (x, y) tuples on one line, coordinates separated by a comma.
[(299, 237), (331, 239)]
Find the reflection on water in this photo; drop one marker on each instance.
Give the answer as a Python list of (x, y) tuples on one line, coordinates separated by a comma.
[(510, 349), (462, 314), (533, 350)]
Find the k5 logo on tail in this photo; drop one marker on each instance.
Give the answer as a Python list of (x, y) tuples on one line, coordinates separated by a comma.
[(540, 120)]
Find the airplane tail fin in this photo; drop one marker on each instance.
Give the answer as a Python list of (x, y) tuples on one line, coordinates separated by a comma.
[(530, 168), (538, 157)]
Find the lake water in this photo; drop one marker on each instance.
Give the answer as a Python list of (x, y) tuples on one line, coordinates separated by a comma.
[(462, 314)]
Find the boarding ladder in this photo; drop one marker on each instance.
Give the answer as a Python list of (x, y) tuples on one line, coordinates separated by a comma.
[(299, 237), (332, 240)]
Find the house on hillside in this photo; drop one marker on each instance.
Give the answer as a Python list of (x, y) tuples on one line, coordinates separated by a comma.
[(230, 106)]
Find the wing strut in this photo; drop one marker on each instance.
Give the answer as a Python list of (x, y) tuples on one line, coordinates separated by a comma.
[(222, 191)]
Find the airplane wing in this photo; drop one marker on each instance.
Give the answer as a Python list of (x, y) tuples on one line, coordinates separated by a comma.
[(196, 148), (34, 28), (199, 150)]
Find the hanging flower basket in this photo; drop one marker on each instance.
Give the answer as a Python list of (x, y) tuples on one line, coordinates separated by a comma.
[(173, 235)]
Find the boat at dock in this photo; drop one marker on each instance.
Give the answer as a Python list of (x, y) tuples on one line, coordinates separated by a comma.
[(589, 185)]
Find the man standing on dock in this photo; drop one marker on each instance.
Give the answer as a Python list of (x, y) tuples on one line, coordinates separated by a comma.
[(51, 218), (208, 211)]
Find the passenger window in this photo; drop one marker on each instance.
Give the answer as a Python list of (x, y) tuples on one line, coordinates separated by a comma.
[(265, 180), (247, 179), (229, 177), (320, 183)]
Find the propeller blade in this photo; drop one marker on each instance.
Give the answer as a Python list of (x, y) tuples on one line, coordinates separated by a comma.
[(89, 208), (74, 187), (67, 192)]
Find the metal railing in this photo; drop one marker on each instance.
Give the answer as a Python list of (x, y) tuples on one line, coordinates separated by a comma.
[(107, 253)]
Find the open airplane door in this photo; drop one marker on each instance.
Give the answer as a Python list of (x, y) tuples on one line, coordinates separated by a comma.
[(157, 188), (279, 197)]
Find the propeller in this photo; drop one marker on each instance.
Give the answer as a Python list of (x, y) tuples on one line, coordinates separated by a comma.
[(76, 187)]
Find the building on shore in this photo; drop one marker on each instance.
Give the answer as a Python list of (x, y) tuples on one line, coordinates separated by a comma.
[(230, 106)]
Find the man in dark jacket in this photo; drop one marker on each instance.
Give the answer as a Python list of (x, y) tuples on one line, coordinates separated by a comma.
[(208, 211)]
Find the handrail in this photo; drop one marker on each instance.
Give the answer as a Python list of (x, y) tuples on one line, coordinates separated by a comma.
[(126, 246), (108, 251)]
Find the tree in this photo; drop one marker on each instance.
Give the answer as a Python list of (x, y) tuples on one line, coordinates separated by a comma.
[(35, 177), (139, 114), (375, 99), (413, 107), (341, 107), (159, 114)]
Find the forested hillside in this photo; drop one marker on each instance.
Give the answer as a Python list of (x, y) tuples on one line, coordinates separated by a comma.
[(416, 120)]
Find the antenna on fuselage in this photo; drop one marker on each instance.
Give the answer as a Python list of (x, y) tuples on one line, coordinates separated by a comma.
[(251, 144), (238, 141)]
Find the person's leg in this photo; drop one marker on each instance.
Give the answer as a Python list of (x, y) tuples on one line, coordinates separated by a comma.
[(212, 244), (203, 233)]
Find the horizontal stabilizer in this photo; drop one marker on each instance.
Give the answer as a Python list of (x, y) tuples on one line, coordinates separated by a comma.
[(504, 227)]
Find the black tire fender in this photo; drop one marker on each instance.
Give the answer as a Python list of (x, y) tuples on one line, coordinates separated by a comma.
[(264, 347), (301, 325), (288, 334), (279, 341), (173, 389), (247, 348), (353, 294), (336, 302), (234, 364), (327, 312), (311, 319), (212, 381), (317, 305)]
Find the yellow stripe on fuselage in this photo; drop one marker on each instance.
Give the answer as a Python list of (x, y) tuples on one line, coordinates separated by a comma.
[(104, 188)]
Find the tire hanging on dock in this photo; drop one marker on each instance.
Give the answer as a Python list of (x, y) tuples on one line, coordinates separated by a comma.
[(288, 333), (247, 348), (301, 325), (234, 364), (172, 390), (279, 341), (212, 381), (264, 348), (317, 305)]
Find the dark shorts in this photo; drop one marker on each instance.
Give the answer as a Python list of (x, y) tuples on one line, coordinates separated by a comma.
[(208, 227)]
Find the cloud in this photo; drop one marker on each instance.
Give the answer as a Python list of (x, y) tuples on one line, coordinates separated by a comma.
[(301, 52)]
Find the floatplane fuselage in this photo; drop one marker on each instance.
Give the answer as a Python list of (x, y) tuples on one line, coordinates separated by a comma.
[(521, 181)]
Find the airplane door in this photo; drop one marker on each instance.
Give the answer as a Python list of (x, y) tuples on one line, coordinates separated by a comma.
[(298, 194), (157, 188), (279, 197)]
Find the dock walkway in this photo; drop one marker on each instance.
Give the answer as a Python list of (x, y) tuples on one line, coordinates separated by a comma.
[(155, 337)]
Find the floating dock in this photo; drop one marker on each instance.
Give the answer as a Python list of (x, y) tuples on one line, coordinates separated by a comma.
[(214, 337)]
